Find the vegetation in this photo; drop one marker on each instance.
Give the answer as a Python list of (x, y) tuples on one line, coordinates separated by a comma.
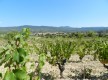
[(56, 49), (60, 51), (14, 56)]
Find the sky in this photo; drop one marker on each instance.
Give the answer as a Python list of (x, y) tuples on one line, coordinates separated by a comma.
[(74, 13)]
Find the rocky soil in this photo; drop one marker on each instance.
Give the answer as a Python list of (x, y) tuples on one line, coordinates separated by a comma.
[(87, 69)]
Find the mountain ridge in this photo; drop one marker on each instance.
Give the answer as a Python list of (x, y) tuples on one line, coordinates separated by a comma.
[(52, 28)]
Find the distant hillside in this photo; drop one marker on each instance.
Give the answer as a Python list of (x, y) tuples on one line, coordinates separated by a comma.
[(52, 29)]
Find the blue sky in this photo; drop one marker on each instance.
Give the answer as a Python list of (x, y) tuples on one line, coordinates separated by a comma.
[(74, 13)]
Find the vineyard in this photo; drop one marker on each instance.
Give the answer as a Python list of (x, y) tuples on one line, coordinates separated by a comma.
[(53, 57)]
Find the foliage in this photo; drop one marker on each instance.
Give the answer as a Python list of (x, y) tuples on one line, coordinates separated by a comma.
[(58, 52), (103, 51), (14, 55), (53, 48), (40, 65)]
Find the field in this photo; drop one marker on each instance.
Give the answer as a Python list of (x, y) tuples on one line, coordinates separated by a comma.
[(57, 56)]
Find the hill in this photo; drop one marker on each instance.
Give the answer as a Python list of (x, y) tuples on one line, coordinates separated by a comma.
[(52, 28)]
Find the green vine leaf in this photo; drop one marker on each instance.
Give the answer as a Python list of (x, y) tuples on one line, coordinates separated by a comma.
[(9, 76), (16, 57), (20, 74)]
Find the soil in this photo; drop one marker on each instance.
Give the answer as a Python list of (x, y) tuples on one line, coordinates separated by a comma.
[(75, 69)]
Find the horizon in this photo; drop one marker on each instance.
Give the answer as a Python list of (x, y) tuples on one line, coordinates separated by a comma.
[(73, 13), (54, 26)]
